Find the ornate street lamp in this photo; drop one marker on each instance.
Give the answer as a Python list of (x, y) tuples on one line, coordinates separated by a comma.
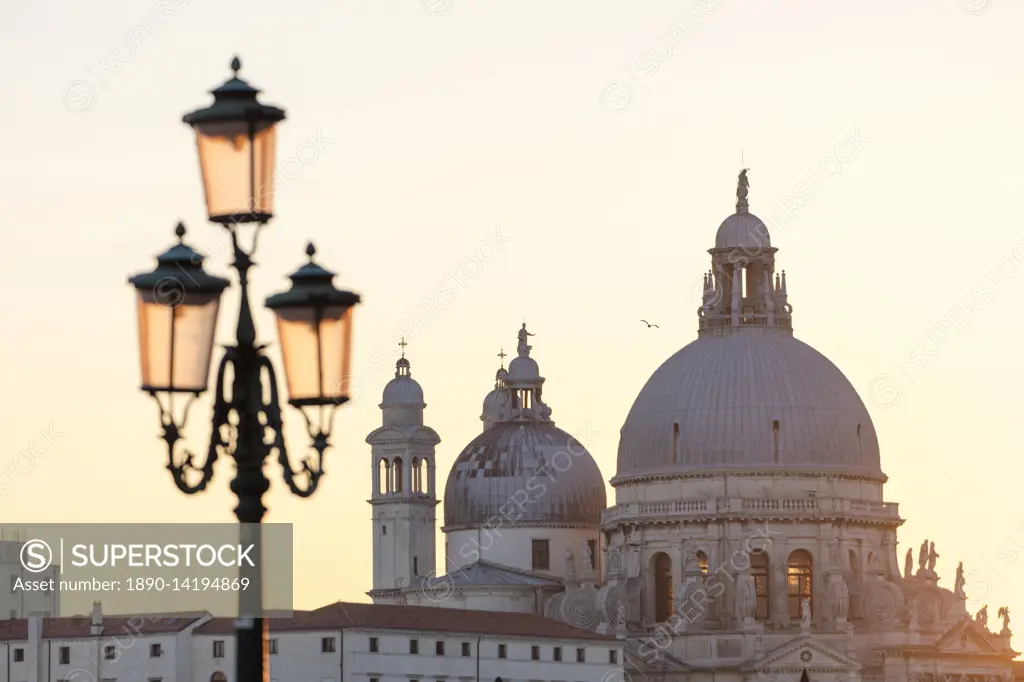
[(178, 304)]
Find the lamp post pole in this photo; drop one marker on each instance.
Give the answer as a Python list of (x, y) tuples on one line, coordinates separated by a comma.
[(178, 303)]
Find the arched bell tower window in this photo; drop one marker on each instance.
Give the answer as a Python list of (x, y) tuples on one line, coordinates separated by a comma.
[(799, 573), (664, 604), (417, 484), (383, 477), (397, 471)]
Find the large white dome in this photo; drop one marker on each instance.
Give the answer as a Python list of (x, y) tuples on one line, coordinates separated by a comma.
[(716, 403)]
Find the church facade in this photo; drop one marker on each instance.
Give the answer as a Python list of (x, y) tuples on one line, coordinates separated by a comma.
[(749, 538)]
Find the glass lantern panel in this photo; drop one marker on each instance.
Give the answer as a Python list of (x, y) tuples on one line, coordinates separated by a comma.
[(336, 351), (296, 328), (238, 177), (176, 342)]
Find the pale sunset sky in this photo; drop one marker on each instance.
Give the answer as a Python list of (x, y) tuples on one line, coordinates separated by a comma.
[(568, 162)]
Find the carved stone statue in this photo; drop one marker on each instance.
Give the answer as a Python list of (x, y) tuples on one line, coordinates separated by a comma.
[(837, 599), (932, 556), (524, 348), (833, 553), (1004, 613), (922, 557), (570, 563), (805, 614), (588, 558), (958, 586), (908, 568), (746, 598), (742, 185), (982, 617), (914, 608)]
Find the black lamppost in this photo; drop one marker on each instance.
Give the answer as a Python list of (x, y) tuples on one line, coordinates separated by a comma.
[(177, 309)]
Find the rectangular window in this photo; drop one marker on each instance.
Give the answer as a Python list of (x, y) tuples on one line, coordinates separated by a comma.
[(65, 655), (581, 655), (592, 546), (415, 565), (273, 646), (414, 646), (109, 652), (156, 650), (535, 653), (558, 653), (613, 657), (439, 648), (19, 655), (374, 679), (465, 649), (373, 645), (218, 648), (327, 645), (541, 556), (502, 651)]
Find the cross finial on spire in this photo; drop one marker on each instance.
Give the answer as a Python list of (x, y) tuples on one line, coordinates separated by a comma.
[(502, 355), (403, 344)]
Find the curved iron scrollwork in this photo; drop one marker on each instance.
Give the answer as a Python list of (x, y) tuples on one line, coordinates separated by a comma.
[(180, 471), (312, 467)]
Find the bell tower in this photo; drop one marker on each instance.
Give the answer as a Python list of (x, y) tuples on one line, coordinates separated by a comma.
[(404, 494)]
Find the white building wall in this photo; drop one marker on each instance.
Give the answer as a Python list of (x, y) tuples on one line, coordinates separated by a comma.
[(393, 661), (513, 546), (525, 601), (299, 657), (18, 603)]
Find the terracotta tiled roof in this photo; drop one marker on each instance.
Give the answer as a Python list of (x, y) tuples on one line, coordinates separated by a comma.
[(346, 615), (72, 628)]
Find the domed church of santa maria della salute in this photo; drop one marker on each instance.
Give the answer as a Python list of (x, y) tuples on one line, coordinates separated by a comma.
[(749, 539)]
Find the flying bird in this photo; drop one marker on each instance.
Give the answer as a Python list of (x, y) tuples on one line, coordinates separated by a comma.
[(649, 325)]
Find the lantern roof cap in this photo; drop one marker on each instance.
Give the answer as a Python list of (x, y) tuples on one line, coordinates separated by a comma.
[(312, 284), (235, 99), (179, 268)]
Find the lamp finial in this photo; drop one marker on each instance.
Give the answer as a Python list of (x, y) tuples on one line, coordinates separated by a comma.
[(236, 65)]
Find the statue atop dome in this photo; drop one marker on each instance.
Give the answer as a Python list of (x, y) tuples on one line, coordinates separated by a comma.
[(524, 349), (742, 185)]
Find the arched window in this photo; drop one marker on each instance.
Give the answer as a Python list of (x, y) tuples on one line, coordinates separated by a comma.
[(759, 572), (383, 477), (218, 677), (396, 482), (416, 484), (664, 604), (799, 573), (675, 443), (424, 480), (702, 562), (775, 439)]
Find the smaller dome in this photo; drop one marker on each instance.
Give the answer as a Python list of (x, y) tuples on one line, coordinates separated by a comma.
[(742, 230), (523, 368), (403, 389), (502, 374)]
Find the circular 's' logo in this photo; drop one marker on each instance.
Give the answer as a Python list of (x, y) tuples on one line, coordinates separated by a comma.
[(36, 556)]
